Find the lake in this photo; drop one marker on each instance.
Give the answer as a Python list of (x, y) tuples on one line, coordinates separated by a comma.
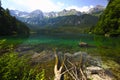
[(67, 43)]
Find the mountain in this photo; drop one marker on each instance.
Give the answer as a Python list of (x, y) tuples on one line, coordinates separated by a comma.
[(37, 17), (36, 14), (50, 15), (96, 9), (66, 24), (17, 13), (72, 20), (33, 18), (109, 22), (69, 12), (41, 15), (64, 17), (62, 13)]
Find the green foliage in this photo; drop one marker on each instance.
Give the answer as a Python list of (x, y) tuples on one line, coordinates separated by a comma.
[(40, 76), (109, 22), (10, 25), (4, 47), (14, 67)]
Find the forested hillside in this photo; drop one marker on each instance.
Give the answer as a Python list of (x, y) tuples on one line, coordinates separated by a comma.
[(109, 22), (10, 25)]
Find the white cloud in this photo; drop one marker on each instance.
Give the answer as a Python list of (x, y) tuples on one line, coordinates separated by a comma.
[(44, 5), (60, 4), (82, 9)]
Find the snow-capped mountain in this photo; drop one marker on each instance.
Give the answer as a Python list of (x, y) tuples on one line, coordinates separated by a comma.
[(18, 13), (38, 17), (36, 14), (51, 14), (69, 12), (40, 14), (96, 9)]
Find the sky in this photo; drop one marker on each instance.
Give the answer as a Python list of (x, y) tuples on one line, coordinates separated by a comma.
[(52, 5)]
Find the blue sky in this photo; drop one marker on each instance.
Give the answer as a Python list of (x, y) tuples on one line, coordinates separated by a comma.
[(52, 5)]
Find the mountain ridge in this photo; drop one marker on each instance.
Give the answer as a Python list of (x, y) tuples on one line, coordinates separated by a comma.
[(52, 14), (62, 18)]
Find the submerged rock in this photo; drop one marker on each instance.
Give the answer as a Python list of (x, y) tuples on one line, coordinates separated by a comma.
[(43, 56), (98, 73), (94, 70), (92, 67)]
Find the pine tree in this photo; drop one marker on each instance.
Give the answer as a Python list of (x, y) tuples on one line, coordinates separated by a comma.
[(109, 22)]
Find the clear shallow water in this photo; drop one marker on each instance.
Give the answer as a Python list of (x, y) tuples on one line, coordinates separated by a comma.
[(63, 42)]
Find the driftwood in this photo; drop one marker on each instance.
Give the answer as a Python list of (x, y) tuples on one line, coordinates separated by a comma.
[(76, 71), (58, 72)]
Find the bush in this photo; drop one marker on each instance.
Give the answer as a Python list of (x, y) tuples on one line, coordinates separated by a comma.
[(14, 67)]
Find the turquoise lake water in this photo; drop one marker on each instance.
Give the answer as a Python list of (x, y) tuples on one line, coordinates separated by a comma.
[(67, 42)]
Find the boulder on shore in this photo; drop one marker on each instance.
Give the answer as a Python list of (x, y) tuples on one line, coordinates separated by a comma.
[(83, 44)]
